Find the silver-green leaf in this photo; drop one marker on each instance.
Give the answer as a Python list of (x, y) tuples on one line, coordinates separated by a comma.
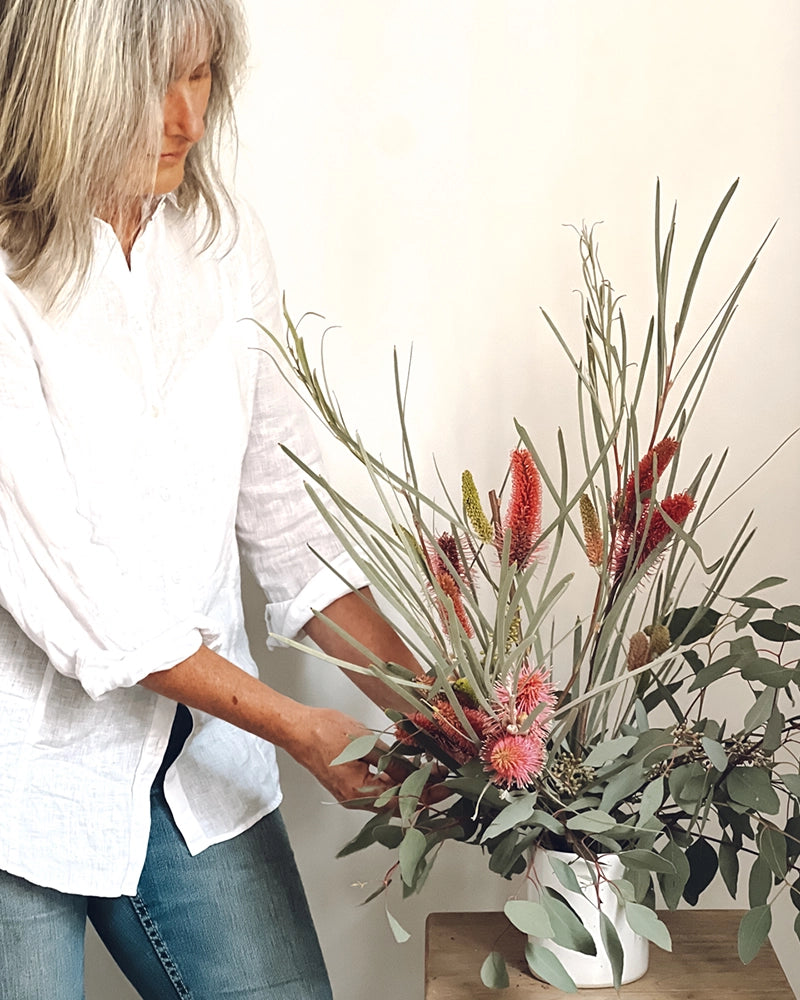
[(544, 964), (494, 974), (753, 931), (529, 917), (644, 921)]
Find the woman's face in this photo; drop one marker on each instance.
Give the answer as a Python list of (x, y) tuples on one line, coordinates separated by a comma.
[(185, 105)]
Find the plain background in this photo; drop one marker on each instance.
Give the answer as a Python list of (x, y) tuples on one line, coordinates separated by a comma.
[(415, 165)]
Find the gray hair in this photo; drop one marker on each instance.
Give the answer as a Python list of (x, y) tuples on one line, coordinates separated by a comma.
[(81, 89)]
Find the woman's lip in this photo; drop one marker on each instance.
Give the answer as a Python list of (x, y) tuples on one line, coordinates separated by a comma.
[(173, 156)]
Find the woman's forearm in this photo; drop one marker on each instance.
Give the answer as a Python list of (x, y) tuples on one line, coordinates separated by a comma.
[(313, 736), (357, 615)]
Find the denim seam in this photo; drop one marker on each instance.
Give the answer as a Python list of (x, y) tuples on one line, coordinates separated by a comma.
[(160, 947)]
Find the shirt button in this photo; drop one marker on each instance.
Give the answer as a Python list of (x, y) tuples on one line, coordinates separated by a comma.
[(154, 411)]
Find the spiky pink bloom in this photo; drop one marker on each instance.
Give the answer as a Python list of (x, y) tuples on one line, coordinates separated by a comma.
[(446, 731), (524, 514), (533, 689), (514, 761)]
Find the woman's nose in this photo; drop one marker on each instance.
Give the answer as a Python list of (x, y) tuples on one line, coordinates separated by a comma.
[(183, 113)]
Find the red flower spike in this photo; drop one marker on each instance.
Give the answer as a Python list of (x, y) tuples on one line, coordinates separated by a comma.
[(654, 462), (524, 515), (444, 562), (451, 589), (677, 507), (446, 730)]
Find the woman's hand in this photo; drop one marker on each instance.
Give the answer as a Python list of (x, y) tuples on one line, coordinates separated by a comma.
[(319, 739)]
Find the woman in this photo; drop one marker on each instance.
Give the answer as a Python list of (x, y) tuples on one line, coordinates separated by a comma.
[(139, 455)]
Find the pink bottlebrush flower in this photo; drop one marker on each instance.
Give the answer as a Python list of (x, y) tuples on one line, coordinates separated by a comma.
[(514, 760), (451, 589), (677, 507), (533, 689), (654, 463), (524, 514), (446, 730), (446, 567)]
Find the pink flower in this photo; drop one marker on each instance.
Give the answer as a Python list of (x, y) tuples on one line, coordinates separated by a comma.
[(515, 760)]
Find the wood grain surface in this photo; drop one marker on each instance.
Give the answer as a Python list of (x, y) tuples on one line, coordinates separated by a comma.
[(704, 963)]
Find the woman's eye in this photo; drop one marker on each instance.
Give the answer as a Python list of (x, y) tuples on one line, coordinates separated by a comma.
[(200, 72)]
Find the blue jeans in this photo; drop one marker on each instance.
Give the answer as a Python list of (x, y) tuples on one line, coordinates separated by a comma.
[(232, 922)]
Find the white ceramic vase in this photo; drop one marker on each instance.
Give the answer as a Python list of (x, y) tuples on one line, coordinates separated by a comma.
[(590, 971)]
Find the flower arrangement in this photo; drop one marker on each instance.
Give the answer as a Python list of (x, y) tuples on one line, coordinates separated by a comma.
[(599, 736)]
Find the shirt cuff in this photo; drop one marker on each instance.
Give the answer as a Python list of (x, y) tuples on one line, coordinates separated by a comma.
[(286, 618), (103, 673)]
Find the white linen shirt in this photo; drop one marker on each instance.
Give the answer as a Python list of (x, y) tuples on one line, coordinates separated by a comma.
[(139, 455)]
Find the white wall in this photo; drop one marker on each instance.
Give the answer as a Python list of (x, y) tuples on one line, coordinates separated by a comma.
[(414, 163)]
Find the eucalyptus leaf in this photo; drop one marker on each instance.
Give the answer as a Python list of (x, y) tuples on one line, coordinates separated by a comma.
[(410, 854), (673, 883), (610, 750), (400, 934), (729, 867), (714, 671), (591, 821), (411, 789), (703, 866), (564, 873), (647, 861), (494, 974), (529, 917), (644, 921), (364, 838), (768, 672), (652, 799), (703, 625), (544, 964), (773, 732), (568, 931), (774, 631), (513, 815), (772, 846), (357, 749), (789, 615), (389, 836), (751, 786), (541, 818), (753, 931), (715, 753), (759, 883), (622, 785), (792, 782), (613, 947), (760, 711)]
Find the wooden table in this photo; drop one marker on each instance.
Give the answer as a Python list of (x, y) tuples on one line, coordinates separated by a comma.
[(704, 964)]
